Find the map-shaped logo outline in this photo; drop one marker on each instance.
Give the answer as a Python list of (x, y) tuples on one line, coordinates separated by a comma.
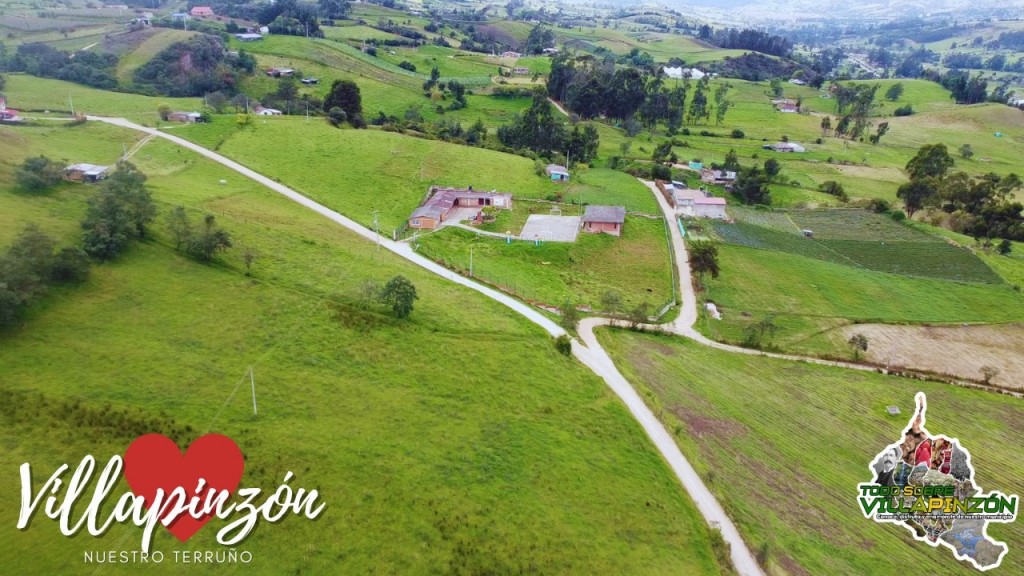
[(920, 417)]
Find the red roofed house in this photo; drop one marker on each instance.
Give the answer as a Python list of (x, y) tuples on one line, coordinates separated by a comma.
[(443, 201), (201, 11), (6, 113), (607, 219)]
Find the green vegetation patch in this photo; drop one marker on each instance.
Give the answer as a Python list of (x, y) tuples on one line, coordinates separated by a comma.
[(430, 453), (932, 259), (636, 266)]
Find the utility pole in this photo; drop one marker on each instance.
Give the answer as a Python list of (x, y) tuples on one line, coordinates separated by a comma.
[(72, 102), (376, 229), (252, 382), (470, 260)]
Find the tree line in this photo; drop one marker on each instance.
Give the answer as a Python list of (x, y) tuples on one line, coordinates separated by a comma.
[(593, 88), (982, 207)]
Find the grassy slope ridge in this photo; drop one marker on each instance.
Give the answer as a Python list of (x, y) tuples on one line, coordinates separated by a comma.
[(636, 265), (784, 445), (431, 455), (358, 171)]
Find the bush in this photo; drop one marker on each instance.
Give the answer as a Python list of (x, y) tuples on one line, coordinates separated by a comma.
[(70, 265), (661, 172), (39, 173), (904, 110), (737, 133), (407, 65), (898, 215), (564, 345), (879, 205)]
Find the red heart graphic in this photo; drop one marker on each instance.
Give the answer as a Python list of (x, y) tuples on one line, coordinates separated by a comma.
[(153, 462)]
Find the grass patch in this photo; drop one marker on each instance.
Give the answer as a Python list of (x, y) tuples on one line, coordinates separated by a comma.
[(752, 427), (636, 265), (436, 467)]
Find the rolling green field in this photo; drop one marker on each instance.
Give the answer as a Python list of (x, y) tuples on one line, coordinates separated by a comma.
[(807, 296), (358, 171), (784, 444), (636, 266), (32, 93), (427, 462)]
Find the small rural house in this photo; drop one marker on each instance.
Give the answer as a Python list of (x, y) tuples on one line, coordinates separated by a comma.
[(511, 54), (721, 177), (441, 202), (709, 207), (184, 117), (521, 71), (248, 37), (606, 219), (797, 81), (694, 165), (279, 72), (785, 147), (557, 173), (261, 111), (8, 114), (788, 108), (85, 172), (310, 81), (201, 11), (550, 51)]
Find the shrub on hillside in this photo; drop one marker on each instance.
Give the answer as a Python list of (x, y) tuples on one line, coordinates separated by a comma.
[(39, 173)]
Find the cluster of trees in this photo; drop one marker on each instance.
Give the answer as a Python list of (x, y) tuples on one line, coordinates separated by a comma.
[(344, 104), (193, 67), (756, 67), (747, 39), (201, 242), (982, 207), (964, 89), (592, 88), (443, 129), (398, 294), (537, 130), (118, 213), (94, 69), (854, 102), (30, 265), (540, 37), (39, 173), (289, 17)]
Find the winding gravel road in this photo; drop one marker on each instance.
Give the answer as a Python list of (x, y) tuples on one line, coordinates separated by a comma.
[(589, 352)]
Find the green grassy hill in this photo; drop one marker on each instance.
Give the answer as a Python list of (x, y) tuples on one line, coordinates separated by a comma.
[(359, 171), (432, 456), (784, 444)]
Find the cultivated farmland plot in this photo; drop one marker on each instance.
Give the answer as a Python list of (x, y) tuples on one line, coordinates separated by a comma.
[(856, 238)]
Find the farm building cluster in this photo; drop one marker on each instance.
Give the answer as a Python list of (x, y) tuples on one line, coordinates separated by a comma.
[(694, 203), (445, 205)]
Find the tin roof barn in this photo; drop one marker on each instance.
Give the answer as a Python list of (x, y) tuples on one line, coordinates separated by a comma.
[(85, 172), (607, 219)]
